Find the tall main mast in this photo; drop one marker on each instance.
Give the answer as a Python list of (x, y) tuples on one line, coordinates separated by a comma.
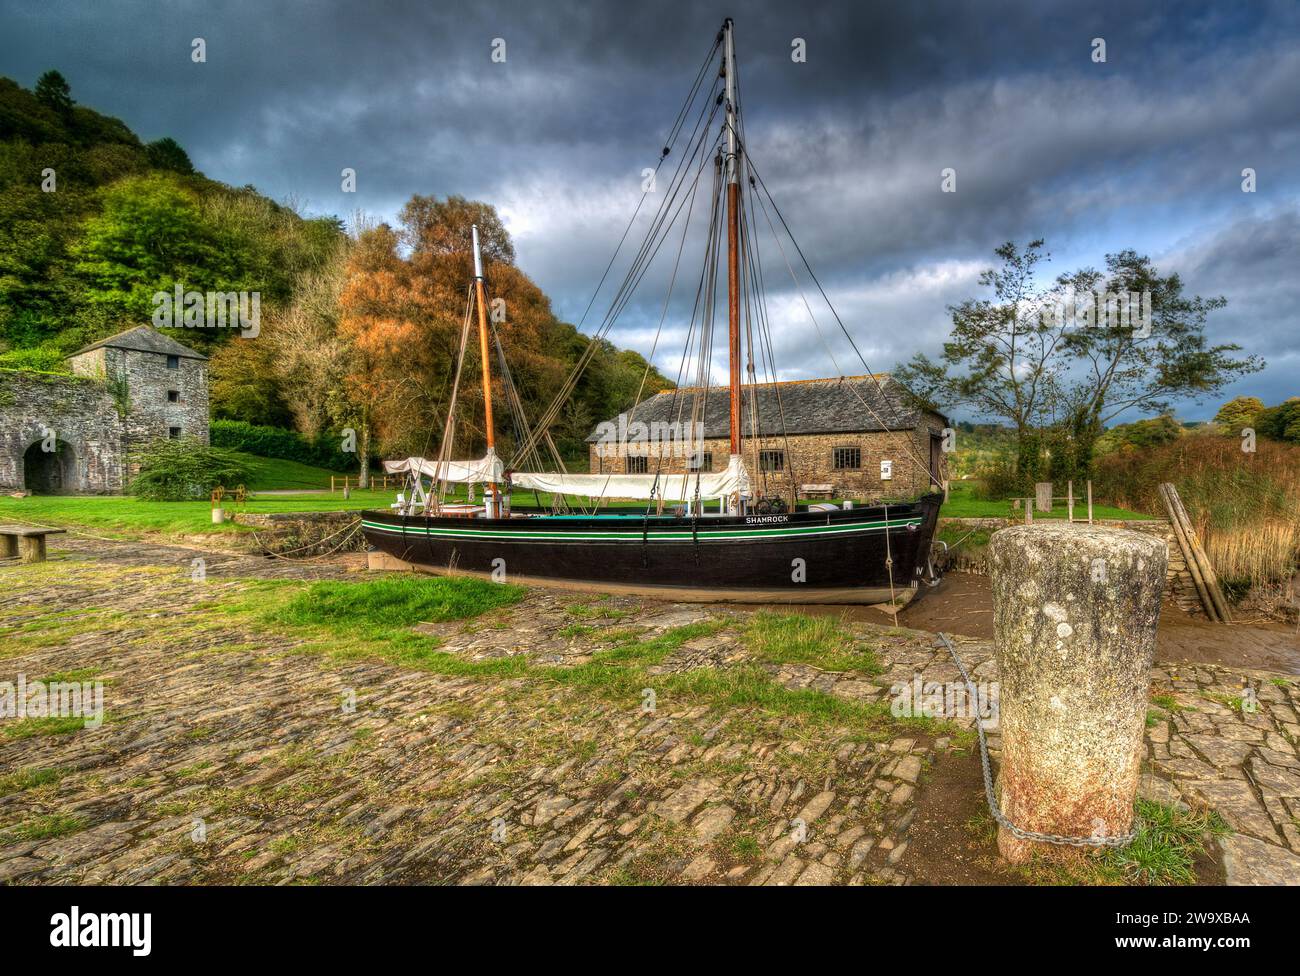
[(491, 498), (732, 164)]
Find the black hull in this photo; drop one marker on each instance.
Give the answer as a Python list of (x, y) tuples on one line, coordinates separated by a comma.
[(844, 553)]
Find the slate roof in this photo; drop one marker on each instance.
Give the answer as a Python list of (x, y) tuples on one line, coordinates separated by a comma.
[(144, 338), (824, 406)]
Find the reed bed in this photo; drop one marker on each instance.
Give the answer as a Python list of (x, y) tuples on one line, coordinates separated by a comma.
[(1246, 506)]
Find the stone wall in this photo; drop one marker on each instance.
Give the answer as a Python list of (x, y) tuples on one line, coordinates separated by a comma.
[(811, 459), (84, 418), (115, 402), (303, 534)]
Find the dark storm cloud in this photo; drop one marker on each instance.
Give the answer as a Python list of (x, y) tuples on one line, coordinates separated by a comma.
[(1143, 151)]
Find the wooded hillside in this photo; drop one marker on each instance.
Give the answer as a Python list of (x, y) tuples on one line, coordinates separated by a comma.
[(358, 323)]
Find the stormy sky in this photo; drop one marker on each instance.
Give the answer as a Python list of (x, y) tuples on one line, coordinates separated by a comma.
[(1143, 151)]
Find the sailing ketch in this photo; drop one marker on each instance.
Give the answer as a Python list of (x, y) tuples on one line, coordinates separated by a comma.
[(757, 546)]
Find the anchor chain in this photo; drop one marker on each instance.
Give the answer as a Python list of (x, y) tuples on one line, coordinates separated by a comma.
[(1121, 840)]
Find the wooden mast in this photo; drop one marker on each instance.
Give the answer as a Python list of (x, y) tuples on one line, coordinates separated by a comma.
[(733, 232), (491, 501)]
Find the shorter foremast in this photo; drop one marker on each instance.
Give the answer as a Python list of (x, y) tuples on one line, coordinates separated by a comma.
[(491, 495)]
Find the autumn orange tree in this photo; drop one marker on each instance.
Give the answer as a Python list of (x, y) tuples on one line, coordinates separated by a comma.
[(377, 331), (402, 304)]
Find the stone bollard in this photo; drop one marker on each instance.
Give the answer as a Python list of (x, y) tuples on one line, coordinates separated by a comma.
[(1075, 614)]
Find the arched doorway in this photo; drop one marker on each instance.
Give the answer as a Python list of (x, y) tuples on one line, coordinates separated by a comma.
[(50, 472)]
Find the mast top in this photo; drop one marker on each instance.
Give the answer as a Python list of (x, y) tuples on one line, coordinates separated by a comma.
[(729, 79), (478, 256)]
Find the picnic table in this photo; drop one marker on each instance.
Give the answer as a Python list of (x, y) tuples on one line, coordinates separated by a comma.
[(25, 541)]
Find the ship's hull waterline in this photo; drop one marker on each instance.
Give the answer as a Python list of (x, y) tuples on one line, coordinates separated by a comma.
[(807, 557)]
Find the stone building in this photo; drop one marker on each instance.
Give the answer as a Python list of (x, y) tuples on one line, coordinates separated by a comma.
[(859, 435), (75, 433)]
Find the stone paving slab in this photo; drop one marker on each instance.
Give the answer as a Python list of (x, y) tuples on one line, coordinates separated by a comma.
[(228, 756)]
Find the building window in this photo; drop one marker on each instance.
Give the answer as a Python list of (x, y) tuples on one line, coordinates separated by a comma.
[(173, 362), (847, 458), (173, 396), (174, 433), (637, 464), (703, 461), (771, 460)]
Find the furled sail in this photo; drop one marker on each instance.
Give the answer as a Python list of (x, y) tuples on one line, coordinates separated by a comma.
[(669, 487), (487, 469)]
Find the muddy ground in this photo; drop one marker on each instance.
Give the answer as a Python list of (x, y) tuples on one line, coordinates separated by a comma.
[(963, 604)]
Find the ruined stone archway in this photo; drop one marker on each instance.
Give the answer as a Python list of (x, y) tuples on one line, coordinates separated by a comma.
[(51, 472)]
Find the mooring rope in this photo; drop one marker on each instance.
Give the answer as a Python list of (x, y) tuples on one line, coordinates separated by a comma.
[(350, 527)]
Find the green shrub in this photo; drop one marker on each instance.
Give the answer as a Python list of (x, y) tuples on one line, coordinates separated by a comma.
[(40, 359), (1282, 423), (185, 469), (1238, 413), (1140, 434), (279, 442), (997, 480)]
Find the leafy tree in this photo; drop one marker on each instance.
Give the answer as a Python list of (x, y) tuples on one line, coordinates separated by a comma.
[(1018, 358), (166, 153), (1282, 423), (53, 91), (376, 334), (433, 226), (1003, 357), (1142, 366), (1238, 413), (241, 384), (149, 237)]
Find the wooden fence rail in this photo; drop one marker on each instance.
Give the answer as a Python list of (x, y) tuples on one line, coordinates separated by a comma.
[(340, 482)]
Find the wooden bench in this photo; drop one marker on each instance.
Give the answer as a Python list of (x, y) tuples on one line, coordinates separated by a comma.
[(27, 541), (817, 491)]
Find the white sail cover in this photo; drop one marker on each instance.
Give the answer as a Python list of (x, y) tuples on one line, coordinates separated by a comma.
[(486, 469), (670, 487)]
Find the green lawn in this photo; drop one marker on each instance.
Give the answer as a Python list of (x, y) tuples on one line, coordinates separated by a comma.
[(268, 474), (962, 503), (124, 516)]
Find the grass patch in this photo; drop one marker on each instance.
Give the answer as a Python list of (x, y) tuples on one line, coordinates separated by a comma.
[(43, 828), (29, 779), (1166, 846), (125, 517), (383, 609), (1168, 702), (819, 641), (595, 611), (1164, 852), (29, 728)]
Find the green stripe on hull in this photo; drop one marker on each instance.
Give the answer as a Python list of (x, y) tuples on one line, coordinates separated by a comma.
[(655, 535)]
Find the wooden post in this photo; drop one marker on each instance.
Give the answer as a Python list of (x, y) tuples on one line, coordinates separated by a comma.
[(1069, 501), (1090, 501), (1075, 616), (9, 546), (1207, 568), (1043, 496), (1189, 558)]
